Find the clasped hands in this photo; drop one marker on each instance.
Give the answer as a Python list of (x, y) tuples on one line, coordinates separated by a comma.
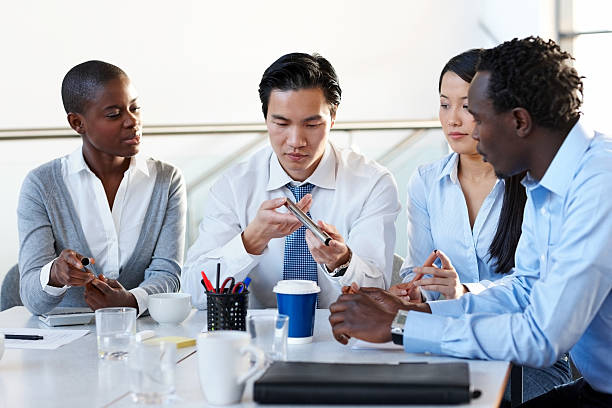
[(367, 313), (269, 224), (100, 291)]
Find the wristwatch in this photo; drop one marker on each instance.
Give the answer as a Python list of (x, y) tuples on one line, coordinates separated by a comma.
[(397, 327), (341, 270)]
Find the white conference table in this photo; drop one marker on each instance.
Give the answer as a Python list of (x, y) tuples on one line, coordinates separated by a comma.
[(73, 376)]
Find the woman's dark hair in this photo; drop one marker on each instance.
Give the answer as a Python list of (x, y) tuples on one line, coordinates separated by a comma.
[(81, 83), (503, 245), (509, 225), (300, 71), (464, 65)]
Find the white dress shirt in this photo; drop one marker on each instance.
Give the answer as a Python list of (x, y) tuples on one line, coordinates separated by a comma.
[(111, 234), (358, 196)]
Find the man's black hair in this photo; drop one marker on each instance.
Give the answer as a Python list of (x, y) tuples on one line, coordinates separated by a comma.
[(82, 82), (535, 75), (464, 65), (300, 71)]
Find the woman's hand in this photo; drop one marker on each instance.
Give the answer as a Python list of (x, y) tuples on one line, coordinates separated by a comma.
[(67, 269), (408, 291), (445, 280), (103, 292)]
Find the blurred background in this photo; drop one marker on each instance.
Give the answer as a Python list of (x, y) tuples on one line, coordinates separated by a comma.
[(197, 65)]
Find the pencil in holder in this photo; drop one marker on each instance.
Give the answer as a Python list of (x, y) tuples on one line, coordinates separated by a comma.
[(227, 311)]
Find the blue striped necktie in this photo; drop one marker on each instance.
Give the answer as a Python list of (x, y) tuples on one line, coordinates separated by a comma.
[(298, 262)]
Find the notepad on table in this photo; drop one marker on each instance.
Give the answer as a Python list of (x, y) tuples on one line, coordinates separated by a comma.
[(179, 341)]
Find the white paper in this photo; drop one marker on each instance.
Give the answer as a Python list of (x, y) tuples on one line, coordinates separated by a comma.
[(366, 345), (52, 339)]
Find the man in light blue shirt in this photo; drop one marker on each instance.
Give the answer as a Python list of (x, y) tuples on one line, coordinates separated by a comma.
[(525, 99)]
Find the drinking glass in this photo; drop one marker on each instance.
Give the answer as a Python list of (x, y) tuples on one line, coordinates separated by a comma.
[(268, 331), (152, 370), (115, 327)]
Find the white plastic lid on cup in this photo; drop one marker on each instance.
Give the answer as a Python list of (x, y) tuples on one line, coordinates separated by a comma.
[(296, 287)]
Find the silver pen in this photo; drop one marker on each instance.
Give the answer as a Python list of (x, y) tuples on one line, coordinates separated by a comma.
[(308, 223)]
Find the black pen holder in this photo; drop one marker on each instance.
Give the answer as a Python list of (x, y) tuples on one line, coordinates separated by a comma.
[(227, 311)]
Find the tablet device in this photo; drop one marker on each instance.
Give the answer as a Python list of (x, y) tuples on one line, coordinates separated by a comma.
[(67, 316)]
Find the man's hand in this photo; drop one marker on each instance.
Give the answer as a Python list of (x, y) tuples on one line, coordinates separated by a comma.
[(360, 316), (67, 269), (103, 292), (367, 314), (386, 300), (334, 255), (445, 280), (269, 224)]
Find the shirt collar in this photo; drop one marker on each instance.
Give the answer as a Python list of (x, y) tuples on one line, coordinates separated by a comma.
[(450, 169), (324, 175), (561, 170), (76, 163)]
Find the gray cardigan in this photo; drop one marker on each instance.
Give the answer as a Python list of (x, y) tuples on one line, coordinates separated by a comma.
[(48, 224)]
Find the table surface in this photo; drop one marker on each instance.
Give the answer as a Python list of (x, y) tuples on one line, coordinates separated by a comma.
[(73, 376)]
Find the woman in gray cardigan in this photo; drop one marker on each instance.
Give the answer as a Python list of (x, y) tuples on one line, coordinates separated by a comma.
[(124, 212)]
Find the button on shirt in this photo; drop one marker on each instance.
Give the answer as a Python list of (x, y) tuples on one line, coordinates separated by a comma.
[(560, 295), (438, 219), (111, 234), (357, 196)]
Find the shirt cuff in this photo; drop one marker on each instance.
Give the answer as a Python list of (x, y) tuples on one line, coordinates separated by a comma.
[(348, 275), (45, 273), (450, 307), (142, 299), (475, 287), (422, 332), (235, 250)]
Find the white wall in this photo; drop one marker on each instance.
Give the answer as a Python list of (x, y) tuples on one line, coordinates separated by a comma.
[(200, 61)]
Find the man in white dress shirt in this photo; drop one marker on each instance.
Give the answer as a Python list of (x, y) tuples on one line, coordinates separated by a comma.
[(246, 227)]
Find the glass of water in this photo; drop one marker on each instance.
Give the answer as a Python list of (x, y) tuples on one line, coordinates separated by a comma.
[(269, 331), (152, 370), (115, 327)]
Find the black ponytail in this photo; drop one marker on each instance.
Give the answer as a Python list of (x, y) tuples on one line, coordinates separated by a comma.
[(509, 228)]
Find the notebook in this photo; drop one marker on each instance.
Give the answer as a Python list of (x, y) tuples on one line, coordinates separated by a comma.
[(67, 316), (352, 384), (179, 341)]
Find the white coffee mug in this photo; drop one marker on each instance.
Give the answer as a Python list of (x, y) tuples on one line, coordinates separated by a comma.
[(224, 363)]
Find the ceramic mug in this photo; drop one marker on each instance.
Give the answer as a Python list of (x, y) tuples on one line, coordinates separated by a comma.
[(224, 364)]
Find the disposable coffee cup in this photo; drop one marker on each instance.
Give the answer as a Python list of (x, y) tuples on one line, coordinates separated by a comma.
[(298, 300)]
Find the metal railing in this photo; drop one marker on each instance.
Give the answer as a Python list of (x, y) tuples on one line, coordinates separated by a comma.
[(216, 129)]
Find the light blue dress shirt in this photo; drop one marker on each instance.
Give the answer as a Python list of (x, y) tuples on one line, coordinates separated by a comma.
[(560, 295), (438, 219)]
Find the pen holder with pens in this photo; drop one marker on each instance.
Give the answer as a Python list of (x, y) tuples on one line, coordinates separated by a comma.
[(227, 311)]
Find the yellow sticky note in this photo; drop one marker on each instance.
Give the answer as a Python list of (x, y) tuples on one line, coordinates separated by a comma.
[(179, 341)]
